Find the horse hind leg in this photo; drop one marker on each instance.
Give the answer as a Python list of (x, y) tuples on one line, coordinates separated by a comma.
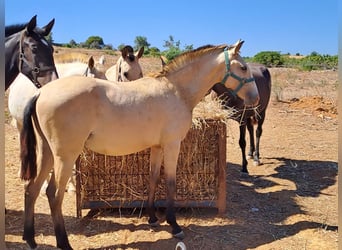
[(55, 192), (32, 190), (258, 134), (242, 144), (155, 163)]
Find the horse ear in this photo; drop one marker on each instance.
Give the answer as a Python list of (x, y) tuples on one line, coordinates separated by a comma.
[(47, 28), (140, 52), (102, 60), (124, 53), (163, 60), (237, 46), (32, 24), (91, 62)]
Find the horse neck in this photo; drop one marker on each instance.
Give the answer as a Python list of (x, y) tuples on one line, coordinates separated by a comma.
[(70, 68), (11, 58), (194, 81)]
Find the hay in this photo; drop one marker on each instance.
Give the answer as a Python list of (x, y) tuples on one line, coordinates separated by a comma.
[(123, 180), (211, 108)]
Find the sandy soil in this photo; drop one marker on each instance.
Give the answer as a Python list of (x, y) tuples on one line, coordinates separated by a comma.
[(289, 202)]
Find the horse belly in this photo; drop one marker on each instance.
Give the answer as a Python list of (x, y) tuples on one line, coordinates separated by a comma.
[(122, 140)]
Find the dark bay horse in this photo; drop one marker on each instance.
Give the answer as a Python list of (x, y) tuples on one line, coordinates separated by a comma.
[(249, 117), (27, 51)]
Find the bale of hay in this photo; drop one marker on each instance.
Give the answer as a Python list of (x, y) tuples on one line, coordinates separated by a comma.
[(122, 181)]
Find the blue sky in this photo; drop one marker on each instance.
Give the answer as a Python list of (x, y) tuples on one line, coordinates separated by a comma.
[(288, 26)]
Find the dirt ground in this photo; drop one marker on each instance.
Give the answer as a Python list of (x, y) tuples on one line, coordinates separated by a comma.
[(288, 202)]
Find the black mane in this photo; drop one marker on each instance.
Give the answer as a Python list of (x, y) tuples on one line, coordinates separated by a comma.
[(12, 29)]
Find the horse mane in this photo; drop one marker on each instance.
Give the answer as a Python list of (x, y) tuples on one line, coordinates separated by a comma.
[(15, 28), (187, 57), (71, 57)]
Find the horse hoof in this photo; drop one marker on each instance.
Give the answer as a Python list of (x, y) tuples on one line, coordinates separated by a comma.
[(244, 172), (256, 163), (179, 235), (32, 244), (154, 224)]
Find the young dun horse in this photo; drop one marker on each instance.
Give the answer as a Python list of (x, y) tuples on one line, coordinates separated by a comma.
[(127, 67), (249, 117), (28, 52), (152, 112)]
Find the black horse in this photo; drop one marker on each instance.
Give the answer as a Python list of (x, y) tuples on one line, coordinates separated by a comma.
[(27, 51), (249, 117)]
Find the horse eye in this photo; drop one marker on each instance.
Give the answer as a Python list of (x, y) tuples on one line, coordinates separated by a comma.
[(244, 67), (34, 48)]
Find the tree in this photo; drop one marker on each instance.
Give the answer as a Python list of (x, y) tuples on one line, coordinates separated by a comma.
[(121, 46), (94, 42), (153, 51), (173, 48), (72, 43), (269, 58), (139, 42), (171, 43)]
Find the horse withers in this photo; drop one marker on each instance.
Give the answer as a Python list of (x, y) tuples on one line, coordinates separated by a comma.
[(28, 52), (152, 112), (127, 68), (248, 117)]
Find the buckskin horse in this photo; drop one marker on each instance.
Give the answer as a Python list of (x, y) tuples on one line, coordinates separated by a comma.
[(151, 112), (247, 117), (127, 68)]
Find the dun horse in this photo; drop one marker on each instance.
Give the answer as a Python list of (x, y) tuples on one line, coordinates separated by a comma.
[(249, 117), (28, 52), (152, 112), (127, 67)]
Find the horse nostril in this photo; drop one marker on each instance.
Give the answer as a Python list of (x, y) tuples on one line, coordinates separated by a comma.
[(126, 74)]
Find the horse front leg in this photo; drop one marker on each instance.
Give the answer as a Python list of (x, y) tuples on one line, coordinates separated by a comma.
[(171, 152), (242, 143), (156, 157), (258, 134), (55, 192)]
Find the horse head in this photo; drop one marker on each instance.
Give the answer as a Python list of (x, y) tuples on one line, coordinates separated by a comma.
[(95, 69), (128, 67), (36, 53), (238, 78)]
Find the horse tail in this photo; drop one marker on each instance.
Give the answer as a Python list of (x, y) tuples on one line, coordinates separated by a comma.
[(267, 76), (28, 142)]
